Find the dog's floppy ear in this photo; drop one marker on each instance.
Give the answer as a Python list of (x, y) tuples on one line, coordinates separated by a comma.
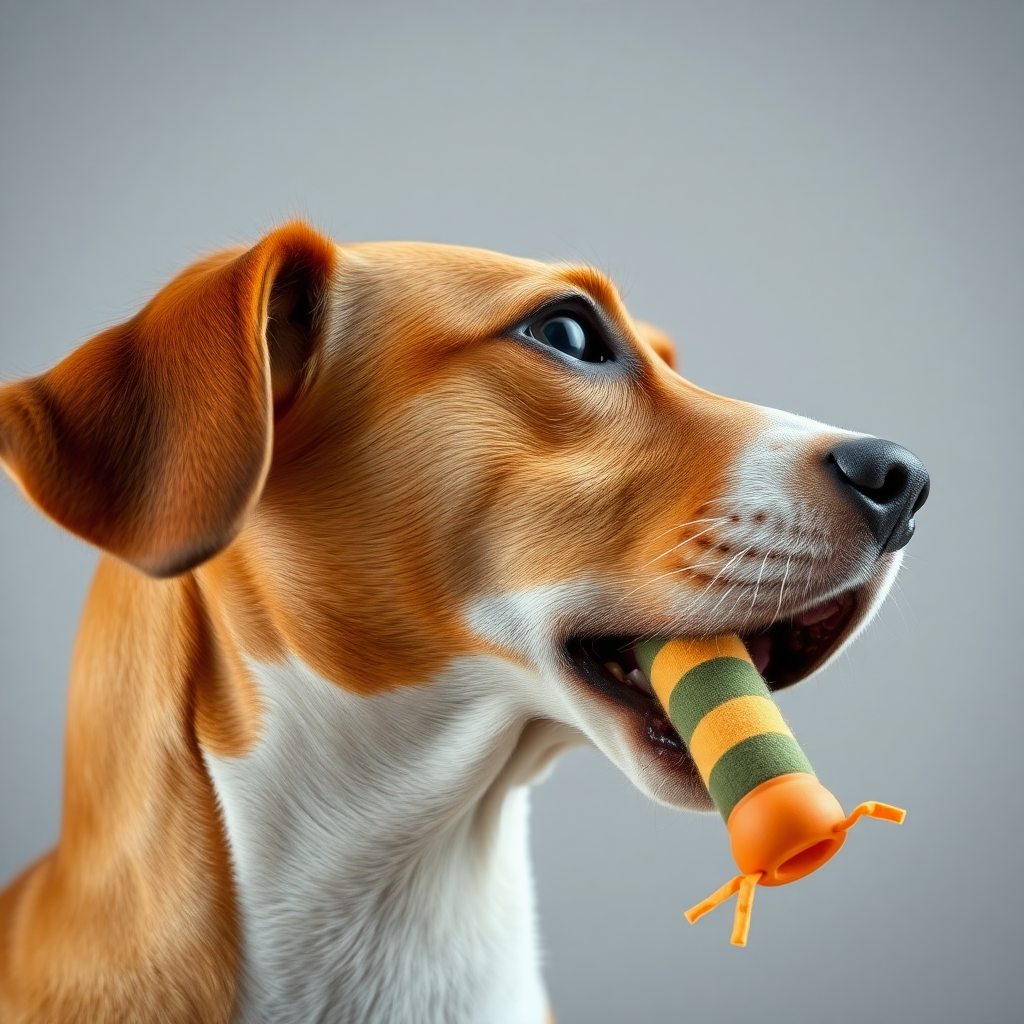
[(153, 439), (659, 341)]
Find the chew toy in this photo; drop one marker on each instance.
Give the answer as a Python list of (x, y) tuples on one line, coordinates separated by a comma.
[(783, 823)]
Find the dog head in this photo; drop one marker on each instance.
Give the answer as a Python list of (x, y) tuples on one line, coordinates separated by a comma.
[(386, 458)]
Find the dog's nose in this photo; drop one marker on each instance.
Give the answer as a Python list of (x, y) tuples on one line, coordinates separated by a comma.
[(885, 482)]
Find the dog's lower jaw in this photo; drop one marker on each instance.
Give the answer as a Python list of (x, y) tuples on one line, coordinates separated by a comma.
[(382, 866)]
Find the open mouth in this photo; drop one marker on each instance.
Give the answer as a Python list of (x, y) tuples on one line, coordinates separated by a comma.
[(786, 652)]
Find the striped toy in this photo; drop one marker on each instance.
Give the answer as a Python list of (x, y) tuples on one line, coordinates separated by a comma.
[(783, 823)]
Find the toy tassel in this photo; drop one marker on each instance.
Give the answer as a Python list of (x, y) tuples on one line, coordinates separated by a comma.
[(783, 823)]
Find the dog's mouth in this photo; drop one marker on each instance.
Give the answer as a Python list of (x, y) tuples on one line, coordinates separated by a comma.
[(786, 652)]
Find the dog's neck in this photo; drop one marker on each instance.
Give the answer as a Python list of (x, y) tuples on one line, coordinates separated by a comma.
[(369, 857), (381, 843)]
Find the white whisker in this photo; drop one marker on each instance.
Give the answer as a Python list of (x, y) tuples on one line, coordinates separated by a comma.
[(682, 544), (757, 586), (692, 522), (782, 588), (731, 589)]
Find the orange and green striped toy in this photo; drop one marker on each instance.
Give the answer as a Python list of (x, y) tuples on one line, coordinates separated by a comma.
[(783, 823)]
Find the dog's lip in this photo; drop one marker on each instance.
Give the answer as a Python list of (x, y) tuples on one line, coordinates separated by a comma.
[(793, 648), (642, 709), (787, 651)]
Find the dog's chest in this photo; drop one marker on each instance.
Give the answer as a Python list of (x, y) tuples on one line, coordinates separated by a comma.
[(368, 889)]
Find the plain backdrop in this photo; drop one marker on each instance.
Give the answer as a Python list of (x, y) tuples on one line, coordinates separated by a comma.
[(822, 202)]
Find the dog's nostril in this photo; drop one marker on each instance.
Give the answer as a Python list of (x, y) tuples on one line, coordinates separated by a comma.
[(886, 483), (894, 484)]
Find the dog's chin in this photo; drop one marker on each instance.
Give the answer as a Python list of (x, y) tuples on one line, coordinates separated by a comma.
[(629, 724)]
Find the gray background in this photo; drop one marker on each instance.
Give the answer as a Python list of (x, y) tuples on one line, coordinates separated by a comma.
[(822, 202)]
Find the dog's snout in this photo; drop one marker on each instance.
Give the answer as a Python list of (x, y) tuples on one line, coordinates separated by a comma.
[(885, 482)]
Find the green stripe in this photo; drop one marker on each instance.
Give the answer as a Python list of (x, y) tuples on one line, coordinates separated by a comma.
[(709, 684), (646, 651), (753, 761)]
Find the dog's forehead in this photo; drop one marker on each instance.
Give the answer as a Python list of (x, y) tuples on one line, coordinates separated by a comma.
[(461, 288)]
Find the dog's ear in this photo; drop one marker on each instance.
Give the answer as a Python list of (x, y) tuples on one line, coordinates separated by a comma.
[(659, 341), (153, 439)]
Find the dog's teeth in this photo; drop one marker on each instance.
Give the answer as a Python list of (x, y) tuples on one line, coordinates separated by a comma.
[(616, 670), (640, 681)]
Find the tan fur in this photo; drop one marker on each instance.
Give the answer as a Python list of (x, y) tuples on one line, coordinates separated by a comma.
[(131, 917), (341, 449)]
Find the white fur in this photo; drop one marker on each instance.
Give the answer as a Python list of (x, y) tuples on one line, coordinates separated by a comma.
[(815, 558), (374, 886), (380, 842)]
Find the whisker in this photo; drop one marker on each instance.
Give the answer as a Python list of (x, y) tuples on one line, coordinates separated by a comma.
[(704, 593), (697, 565), (910, 607), (757, 586), (782, 588), (682, 544), (693, 522), (673, 572), (895, 600), (701, 596), (807, 582), (731, 589), (917, 558), (655, 579), (746, 618), (728, 591)]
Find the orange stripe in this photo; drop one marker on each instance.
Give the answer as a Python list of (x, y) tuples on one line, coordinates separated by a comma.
[(730, 723), (678, 656)]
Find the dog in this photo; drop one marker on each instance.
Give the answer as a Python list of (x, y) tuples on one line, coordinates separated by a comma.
[(379, 525)]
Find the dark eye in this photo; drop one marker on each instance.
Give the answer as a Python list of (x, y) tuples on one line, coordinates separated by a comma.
[(568, 335)]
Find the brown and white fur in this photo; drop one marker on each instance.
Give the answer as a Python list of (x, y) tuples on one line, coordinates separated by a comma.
[(352, 516)]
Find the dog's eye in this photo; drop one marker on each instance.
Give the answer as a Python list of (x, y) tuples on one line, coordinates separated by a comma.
[(573, 338)]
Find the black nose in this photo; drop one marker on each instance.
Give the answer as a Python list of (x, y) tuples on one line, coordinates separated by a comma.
[(885, 482)]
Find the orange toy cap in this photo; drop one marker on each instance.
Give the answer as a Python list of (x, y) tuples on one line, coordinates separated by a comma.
[(783, 823), (785, 829)]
